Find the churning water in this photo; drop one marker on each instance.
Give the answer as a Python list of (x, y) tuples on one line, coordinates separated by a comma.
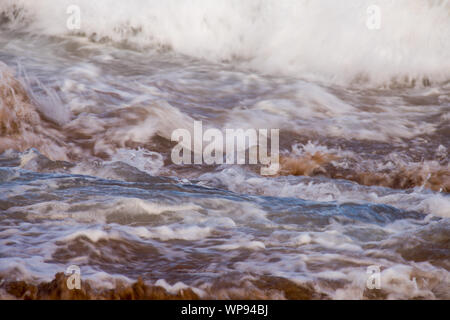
[(86, 118)]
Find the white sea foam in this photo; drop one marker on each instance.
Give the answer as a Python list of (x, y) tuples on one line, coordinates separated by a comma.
[(240, 180), (323, 39), (112, 102)]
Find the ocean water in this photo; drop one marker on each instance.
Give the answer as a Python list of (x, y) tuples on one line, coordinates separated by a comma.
[(86, 118)]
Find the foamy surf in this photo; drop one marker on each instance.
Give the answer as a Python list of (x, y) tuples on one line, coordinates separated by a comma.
[(86, 177), (409, 47)]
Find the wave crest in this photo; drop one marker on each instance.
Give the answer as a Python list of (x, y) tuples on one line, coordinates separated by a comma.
[(324, 40)]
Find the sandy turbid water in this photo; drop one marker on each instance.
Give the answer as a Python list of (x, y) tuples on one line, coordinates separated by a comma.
[(86, 118)]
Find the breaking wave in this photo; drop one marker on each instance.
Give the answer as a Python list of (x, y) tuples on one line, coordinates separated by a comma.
[(323, 40)]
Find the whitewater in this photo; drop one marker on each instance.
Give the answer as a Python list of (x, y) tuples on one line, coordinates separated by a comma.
[(86, 176)]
